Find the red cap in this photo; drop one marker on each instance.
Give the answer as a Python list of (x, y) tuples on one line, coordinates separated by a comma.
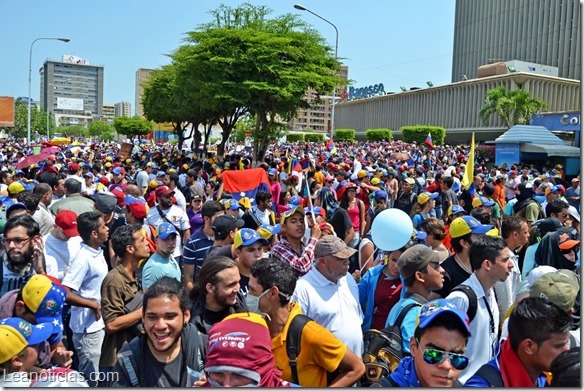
[(73, 167), (163, 190), (104, 180), (120, 196), (138, 209), (51, 158), (67, 221)]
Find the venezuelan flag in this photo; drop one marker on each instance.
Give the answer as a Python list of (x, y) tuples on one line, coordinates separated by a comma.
[(467, 181)]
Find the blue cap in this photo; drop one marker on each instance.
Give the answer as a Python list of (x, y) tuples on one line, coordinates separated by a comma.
[(160, 173), (465, 225), (454, 209), (432, 309), (28, 186), (247, 237), (18, 172), (165, 230), (86, 166), (267, 230), (33, 334), (129, 199), (295, 200), (379, 195), (272, 171), (14, 206)]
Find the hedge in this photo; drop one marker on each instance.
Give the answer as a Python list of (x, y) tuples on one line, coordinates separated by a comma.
[(419, 133), (382, 134), (293, 137), (314, 137), (345, 135)]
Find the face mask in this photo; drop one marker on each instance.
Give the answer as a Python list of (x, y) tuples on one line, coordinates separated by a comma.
[(253, 303)]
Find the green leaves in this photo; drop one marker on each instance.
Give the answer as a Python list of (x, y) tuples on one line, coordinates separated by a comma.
[(513, 107)]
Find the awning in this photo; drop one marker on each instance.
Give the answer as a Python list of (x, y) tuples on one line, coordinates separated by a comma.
[(552, 150)]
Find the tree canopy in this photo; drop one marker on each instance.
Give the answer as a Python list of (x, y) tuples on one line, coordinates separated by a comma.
[(514, 107), (133, 126)]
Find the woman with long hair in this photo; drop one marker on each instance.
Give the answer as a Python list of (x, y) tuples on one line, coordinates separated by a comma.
[(421, 209), (356, 210), (283, 202), (435, 234)]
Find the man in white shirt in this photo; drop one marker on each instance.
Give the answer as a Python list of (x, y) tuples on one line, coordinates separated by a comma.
[(84, 276), (330, 296), (489, 258), (62, 244)]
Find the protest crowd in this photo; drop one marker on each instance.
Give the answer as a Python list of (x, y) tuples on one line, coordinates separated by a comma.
[(377, 264)]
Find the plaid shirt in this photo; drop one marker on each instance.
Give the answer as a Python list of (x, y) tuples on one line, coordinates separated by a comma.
[(301, 263)]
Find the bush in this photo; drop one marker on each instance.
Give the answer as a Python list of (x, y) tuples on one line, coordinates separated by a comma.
[(345, 135), (418, 133), (314, 137), (293, 137), (382, 134)]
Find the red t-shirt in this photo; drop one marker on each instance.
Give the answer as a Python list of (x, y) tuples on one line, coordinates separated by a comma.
[(387, 294)]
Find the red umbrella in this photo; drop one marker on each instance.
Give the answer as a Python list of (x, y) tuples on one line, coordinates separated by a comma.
[(32, 159), (51, 150)]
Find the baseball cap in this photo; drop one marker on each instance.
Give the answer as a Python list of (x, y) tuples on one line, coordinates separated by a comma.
[(15, 206), (560, 287), (16, 334), (467, 224), (333, 245), (45, 299), (379, 195), (160, 174), (119, 195), (551, 189), (534, 274), (565, 243), (231, 204), (295, 200), (431, 310), (266, 231), (289, 213), (153, 184), (410, 181), (575, 180), (550, 224), (425, 197), (272, 171), (165, 230), (574, 213), (104, 180), (245, 202), (415, 259), (330, 178), (67, 221), (15, 188), (119, 171), (327, 227), (224, 224), (86, 166), (105, 202), (317, 211), (454, 209), (482, 201), (247, 237), (138, 210), (361, 174), (88, 175), (375, 181), (163, 191)]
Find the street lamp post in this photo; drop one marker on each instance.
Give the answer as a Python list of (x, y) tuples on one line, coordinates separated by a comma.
[(303, 8), (30, 79)]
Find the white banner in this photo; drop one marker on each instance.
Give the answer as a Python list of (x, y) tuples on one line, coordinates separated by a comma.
[(70, 104), (74, 59)]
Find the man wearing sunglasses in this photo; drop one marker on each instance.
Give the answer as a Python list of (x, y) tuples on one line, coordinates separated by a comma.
[(438, 349)]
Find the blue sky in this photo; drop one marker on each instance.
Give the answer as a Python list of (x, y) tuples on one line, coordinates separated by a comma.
[(394, 42)]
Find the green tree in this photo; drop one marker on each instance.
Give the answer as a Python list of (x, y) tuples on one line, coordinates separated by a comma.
[(513, 107), (102, 130), (133, 126)]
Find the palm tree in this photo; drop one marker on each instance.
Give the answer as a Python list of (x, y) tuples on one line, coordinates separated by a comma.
[(514, 107)]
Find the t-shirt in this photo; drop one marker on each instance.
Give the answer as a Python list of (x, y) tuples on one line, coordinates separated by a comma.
[(11, 280), (448, 195), (164, 374), (453, 275), (341, 222), (387, 293), (217, 251), (158, 266)]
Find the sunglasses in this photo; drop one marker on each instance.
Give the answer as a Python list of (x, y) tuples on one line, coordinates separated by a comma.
[(575, 249), (436, 356)]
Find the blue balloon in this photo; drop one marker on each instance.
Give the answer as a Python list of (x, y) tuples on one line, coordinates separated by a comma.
[(391, 229)]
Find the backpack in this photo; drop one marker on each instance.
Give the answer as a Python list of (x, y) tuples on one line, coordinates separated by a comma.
[(384, 349), (491, 375), (472, 300)]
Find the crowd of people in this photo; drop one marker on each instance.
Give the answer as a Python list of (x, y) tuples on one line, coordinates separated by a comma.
[(143, 270)]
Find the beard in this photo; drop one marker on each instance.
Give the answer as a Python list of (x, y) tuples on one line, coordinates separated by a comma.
[(19, 259)]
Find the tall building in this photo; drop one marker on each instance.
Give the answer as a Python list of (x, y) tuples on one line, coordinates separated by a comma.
[(142, 76), (122, 109), (109, 112), (545, 32), (318, 116), (71, 90)]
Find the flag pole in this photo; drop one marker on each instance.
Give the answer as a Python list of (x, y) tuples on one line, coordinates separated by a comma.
[(310, 200)]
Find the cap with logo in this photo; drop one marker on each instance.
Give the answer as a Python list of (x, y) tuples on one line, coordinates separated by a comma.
[(482, 201), (317, 211), (247, 237), (119, 171), (465, 225), (415, 259), (45, 299), (224, 224), (425, 197), (566, 243), (266, 231), (333, 245), (16, 334), (67, 221), (165, 230), (163, 191), (432, 311), (560, 287), (272, 171), (286, 215), (455, 209)]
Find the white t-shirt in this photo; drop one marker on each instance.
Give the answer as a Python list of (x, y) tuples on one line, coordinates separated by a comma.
[(85, 275), (59, 253), (177, 217)]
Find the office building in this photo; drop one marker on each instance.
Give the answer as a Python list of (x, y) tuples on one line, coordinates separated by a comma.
[(542, 32), (72, 90), (109, 113), (318, 116), (122, 109), (142, 76)]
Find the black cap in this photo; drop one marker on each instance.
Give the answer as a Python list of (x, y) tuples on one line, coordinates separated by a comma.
[(550, 224), (224, 224)]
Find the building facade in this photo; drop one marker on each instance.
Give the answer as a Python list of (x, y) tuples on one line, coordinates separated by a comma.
[(318, 116), (544, 32), (455, 106), (109, 113), (122, 109), (72, 90), (142, 76)]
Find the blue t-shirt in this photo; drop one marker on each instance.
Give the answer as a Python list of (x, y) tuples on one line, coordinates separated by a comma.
[(156, 267)]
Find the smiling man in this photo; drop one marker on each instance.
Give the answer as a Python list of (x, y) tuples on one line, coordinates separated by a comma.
[(438, 349), (169, 353)]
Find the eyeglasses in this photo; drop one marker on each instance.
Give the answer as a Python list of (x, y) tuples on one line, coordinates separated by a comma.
[(17, 241), (436, 356)]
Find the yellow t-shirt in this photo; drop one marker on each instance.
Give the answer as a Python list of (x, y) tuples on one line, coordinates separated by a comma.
[(320, 352)]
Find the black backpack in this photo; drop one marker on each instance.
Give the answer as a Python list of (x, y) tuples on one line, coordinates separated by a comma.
[(383, 349), (472, 300)]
